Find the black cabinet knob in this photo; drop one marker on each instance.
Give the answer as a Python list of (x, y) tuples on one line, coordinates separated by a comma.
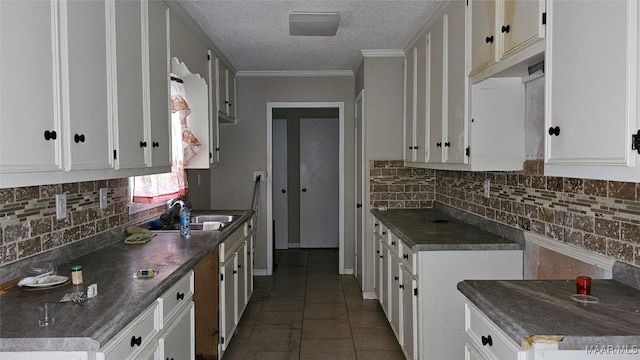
[(358, 206), (393, 243), (136, 341), (375, 225), (78, 138), (217, 149), (438, 144), (155, 144), (447, 144), (50, 135), (304, 189), (395, 278), (283, 191), (505, 28), (410, 147), (405, 256), (180, 296), (235, 271), (489, 39), (554, 131), (486, 340), (401, 286), (143, 144), (384, 233)]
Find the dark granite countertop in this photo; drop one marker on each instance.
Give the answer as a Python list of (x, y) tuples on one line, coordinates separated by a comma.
[(537, 310), (432, 230), (120, 296)]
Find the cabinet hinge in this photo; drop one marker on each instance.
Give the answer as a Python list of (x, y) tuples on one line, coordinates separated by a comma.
[(115, 154), (222, 340), (221, 277), (544, 18), (635, 142), (415, 291), (210, 155), (467, 151), (208, 57)]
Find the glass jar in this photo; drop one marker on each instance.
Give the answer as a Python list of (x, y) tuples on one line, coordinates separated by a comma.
[(76, 274)]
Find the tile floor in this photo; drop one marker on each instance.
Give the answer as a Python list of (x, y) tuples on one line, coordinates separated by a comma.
[(306, 310)]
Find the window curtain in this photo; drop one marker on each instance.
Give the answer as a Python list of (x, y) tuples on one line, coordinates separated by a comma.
[(184, 146)]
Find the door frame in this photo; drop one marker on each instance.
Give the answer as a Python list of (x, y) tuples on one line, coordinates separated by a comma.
[(359, 189), (341, 186)]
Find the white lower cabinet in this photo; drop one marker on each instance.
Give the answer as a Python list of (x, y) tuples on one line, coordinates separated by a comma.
[(165, 327), (418, 293), (236, 281)]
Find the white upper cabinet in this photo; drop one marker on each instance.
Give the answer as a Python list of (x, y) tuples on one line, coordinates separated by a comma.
[(454, 92), (503, 34), (410, 118), (128, 85), (30, 118), (592, 90), (159, 108), (435, 86), (86, 100), (226, 93)]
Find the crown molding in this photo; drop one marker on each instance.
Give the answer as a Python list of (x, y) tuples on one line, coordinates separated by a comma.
[(295, 73), (382, 53)]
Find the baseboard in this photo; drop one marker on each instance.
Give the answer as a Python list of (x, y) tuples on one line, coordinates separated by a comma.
[(259, 272), (368, 295)]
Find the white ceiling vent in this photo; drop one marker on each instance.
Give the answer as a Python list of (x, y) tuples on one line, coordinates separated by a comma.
[(313, 24)]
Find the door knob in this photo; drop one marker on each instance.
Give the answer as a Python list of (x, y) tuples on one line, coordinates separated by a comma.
[(283, 191), (304, 189)]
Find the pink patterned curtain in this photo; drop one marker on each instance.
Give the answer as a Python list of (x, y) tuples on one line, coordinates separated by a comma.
[(162, 187)]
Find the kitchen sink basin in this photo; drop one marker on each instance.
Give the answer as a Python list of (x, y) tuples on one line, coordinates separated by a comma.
[(197, 222)]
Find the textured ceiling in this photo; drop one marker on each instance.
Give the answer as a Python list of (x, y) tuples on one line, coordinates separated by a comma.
[(254, 35)]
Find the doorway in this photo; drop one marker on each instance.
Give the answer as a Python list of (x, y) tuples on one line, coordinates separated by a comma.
[(320, 142)]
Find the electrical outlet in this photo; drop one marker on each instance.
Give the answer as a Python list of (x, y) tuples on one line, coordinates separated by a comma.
[(258, 173), (486, 186), (61, 206), (104, 200)]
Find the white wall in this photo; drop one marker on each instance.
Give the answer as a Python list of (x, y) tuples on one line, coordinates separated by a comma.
[(243, 147)]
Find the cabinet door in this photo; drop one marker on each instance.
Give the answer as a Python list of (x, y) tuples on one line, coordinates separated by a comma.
[(409, 313), (455, 140), (178, 340), (87, 113), (436, 68), (221, 71), (421, 100), (385, 279), (214, 121), (249, 267), (470, 353), (241, 277), (520, 25), (591, 89), (231, 94), (227, 301), (377, 266), (396, 305), (131, 141), (409, 102), (482, 33), (29, 106), (159, 108)]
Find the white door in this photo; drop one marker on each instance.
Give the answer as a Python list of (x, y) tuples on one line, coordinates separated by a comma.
[(359, 183), (319, 183), (280, 207)]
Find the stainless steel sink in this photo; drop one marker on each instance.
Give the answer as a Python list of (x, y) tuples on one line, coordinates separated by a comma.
[(197, 222), (219, 218)]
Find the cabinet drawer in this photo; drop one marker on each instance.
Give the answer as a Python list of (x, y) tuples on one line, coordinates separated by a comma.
[(180, 293), (228, 246), (138, 335), (486, 337), (408, 258)]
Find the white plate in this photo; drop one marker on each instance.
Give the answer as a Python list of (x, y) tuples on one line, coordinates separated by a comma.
[(51, 280)]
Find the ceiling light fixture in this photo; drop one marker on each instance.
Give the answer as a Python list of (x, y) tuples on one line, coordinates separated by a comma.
[(313, 24)]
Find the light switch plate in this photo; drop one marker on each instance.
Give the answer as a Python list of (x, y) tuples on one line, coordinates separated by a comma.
[(104, 200), (61, 206), (486, 186)]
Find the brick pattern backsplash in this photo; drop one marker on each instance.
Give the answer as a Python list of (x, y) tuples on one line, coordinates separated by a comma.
[(393, 185), (28, 224), (600, 216)]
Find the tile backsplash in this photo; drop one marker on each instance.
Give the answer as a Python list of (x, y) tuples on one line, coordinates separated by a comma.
[(28, 224), (395, 186), (599, 216)]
